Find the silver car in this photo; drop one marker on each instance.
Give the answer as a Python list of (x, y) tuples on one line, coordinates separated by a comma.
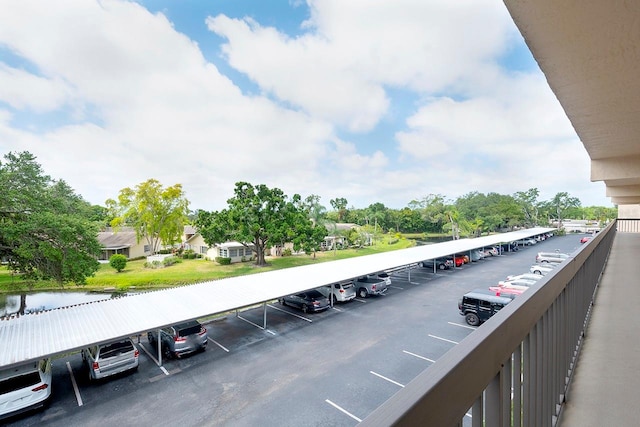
[(342, 292), (180, 339), (551, 257), (111, 358)]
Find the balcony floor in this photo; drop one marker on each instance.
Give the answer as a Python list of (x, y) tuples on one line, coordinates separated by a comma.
[(607, 376)]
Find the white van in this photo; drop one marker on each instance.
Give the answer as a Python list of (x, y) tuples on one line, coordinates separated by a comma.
[(24, 387)]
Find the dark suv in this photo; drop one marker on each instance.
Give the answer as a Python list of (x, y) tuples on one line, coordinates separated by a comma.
[(480, 304), (181, 339)]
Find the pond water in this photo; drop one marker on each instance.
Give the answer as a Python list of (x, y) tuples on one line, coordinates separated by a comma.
[(26, 303)]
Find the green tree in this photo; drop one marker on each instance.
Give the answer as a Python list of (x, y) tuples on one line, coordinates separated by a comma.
[(260, 215), (528, 202), (339, 204), (45, 228), (377, 217), (156, 214), (309, 236), (560, 204), (118, 262)]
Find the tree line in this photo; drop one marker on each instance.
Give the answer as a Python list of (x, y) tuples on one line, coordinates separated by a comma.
[(49, 232)]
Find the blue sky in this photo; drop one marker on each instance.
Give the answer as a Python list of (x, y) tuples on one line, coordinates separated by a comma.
[(375, 101)]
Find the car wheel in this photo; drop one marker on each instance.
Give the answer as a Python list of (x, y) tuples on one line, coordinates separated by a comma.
[(442, 266), (544, 260), (282, 301), (421, 265), (537, 272), (472, 319), (362, 293), (305, 308)]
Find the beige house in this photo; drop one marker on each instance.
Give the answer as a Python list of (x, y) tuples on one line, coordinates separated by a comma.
[(234, 250), (123, 242)]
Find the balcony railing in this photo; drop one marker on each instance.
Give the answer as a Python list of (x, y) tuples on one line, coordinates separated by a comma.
[(516, 368), (628, 225)]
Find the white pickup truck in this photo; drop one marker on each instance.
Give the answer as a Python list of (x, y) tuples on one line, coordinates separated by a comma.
[(367, 285)]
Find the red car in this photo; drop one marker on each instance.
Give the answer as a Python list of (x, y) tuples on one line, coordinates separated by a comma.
[(459, 261), (505, 291), (585, 239)]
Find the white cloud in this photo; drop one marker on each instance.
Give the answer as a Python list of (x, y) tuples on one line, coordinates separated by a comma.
[(23, 90), (352, 50), (135, 99)]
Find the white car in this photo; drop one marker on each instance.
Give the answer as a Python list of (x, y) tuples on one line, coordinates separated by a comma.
[(492, 251), (516, 283), (542, 269), (526, 276), (24, 387)]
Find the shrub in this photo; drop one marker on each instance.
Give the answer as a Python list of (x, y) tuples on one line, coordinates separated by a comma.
[(223, 260), (170, 261), (118, 261), (286, 252), (189, 254)]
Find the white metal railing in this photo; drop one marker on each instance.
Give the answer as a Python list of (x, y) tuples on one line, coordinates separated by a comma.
[(515, 369), (628, 225)]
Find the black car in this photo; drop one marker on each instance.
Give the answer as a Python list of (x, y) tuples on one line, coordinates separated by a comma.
[(307, 301), (480, 304)]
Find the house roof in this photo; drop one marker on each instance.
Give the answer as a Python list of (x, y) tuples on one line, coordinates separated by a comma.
[(341, 226), (117, 240)]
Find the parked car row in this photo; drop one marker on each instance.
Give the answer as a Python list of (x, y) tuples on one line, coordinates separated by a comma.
[(320, 299), (28, 386), (480, 304)]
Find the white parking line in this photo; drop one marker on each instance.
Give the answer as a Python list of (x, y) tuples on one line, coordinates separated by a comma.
[(153, 358), (360, 300), (443, 339), (396, 287), (344, 411), (418, 356), (387, 379), (336, 309), (287, 312), (218, 344), (75, 386), (462, 326)]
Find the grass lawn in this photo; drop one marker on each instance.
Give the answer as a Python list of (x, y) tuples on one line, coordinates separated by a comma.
[(136, 276)]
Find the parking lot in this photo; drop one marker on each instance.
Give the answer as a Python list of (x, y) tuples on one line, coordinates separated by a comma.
[(328, 368)]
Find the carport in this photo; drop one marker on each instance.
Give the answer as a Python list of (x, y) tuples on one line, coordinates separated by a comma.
[(54, 332)]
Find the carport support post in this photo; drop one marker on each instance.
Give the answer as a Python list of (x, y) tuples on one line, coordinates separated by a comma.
[(264, 314), (159, 349)]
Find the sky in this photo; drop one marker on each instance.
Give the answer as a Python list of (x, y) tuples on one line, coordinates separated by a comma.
[(374, 101)]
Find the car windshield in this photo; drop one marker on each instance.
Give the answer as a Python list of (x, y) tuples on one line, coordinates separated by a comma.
[(189, 330), (314, 294), (19, 382), (114, 349)]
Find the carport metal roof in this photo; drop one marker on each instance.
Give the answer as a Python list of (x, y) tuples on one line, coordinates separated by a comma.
[(38, 335)]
